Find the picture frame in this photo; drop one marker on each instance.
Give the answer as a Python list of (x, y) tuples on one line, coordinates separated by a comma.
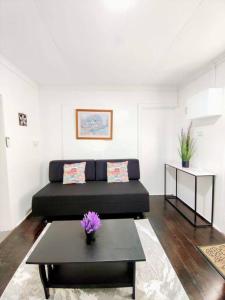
[(22, 119), (94, 124)]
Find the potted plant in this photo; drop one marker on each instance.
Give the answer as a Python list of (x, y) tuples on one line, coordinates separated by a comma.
[(186, 150), (91, 223)]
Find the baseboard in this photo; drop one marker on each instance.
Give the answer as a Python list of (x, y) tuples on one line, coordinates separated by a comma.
[(7, 233), (218, 229), (26, 215)]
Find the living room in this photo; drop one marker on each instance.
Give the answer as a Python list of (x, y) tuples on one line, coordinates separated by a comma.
[(154, 71)]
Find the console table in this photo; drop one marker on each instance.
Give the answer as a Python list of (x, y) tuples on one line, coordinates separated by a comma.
[(184, 209)]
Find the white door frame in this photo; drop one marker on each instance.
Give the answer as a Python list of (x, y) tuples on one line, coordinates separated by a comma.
[(5, 217), (149, 106)]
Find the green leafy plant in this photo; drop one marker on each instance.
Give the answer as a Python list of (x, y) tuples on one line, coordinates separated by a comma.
[(187, 146)]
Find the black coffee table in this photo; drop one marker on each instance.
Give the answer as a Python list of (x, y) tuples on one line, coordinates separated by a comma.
[(66, 261)]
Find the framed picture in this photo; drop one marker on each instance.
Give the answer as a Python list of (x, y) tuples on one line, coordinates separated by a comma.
[(22, 119), (94, 124)]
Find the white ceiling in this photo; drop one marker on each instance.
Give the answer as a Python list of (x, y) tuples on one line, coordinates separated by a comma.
[(104, 42)]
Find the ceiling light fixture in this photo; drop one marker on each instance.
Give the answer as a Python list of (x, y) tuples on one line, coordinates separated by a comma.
[(119, 5)]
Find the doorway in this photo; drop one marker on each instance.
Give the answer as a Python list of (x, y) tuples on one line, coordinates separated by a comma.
[(5, 224), (156, 144)]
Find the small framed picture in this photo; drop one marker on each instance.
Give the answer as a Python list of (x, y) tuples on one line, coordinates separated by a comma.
[(22, 119), (93, 124)]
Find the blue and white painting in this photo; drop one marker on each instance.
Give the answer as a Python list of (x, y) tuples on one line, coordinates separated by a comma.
[(93, 124)]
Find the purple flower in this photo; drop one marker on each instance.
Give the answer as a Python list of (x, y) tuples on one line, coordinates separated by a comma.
[(91, 222)]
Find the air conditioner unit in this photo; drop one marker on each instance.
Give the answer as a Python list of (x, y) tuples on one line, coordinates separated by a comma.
[(208, 103)]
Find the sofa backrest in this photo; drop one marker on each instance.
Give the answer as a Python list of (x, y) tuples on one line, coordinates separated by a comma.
[(95, 169), (133, 168), (56, 169)]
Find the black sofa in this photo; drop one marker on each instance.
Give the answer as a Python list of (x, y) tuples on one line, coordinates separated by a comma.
[(58, 200)]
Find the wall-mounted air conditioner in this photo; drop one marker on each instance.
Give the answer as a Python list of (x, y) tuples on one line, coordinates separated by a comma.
[(208, 103)]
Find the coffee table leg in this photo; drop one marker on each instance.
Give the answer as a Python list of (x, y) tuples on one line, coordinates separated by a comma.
[(44, 281), (134, 279)]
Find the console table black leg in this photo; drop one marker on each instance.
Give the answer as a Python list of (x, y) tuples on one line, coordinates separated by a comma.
[(165, 182), (176, 184), (213, 192), (196, 193), (44, 281), (134, 280)]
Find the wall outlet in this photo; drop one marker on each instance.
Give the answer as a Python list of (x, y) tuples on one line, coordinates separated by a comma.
[(199, 133), (35, 143)]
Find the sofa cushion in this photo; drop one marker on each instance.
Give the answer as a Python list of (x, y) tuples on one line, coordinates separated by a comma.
[(133, 168), (57, 199), (56, 169), (117, 172), (74, 173)]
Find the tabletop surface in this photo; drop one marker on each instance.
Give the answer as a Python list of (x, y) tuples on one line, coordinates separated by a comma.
[(191, 170), (65, 242)]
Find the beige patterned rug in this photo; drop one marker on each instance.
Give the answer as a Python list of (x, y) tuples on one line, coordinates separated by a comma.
[(216, 256), (155, 278)]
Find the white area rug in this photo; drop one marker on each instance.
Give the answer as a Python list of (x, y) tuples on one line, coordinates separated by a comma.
[(155, 278)]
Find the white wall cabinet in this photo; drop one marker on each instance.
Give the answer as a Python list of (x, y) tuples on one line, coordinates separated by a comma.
[(207, 103)]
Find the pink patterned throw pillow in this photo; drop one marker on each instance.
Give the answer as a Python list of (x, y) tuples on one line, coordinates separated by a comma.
[(74, 173), (117, 172)]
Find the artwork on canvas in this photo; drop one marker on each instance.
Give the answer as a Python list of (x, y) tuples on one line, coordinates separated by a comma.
[(94, 124), (22, 119)]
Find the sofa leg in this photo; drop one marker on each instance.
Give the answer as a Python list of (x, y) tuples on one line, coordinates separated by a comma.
[(44, 222), (139, 216)]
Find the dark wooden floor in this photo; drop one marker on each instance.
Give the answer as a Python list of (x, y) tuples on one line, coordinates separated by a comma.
[(178, 238)]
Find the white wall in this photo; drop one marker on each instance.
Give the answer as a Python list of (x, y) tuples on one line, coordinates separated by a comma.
[(19, 94), (134, 109), (57, 106), (210, 145)]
